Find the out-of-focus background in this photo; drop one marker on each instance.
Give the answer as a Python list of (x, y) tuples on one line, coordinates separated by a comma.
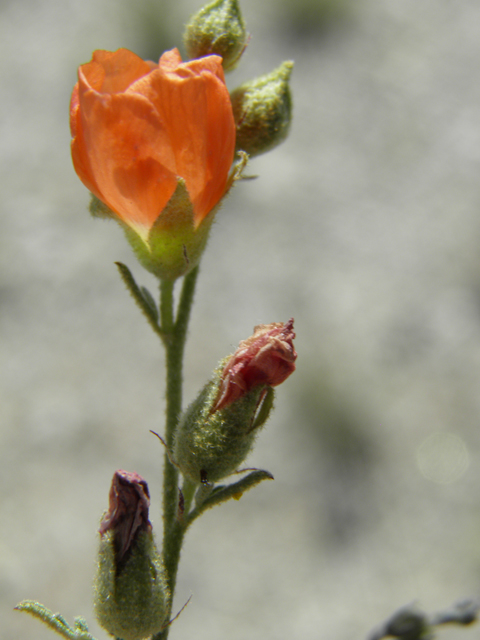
[(364, 225)]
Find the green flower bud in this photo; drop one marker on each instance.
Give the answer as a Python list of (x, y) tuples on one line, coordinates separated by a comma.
[(209, 446), (217, 431), (218, 29), (262, 110), (131, 596)]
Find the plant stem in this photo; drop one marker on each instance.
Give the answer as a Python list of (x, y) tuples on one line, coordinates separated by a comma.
[(175, 332)]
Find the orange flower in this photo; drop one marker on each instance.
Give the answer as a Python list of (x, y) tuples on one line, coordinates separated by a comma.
[(138, 128)]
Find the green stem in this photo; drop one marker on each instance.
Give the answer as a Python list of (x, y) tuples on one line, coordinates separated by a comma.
[(175, 331)]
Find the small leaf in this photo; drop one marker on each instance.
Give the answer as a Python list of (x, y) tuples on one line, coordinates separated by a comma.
[(147, 296), (56, 621), (223, 493), (142, 297), (81, 629)]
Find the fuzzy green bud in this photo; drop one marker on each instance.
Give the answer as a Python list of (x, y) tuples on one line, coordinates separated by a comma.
[(262, 109), (131, 596), (218, 28), (218, 429), (211, 445)]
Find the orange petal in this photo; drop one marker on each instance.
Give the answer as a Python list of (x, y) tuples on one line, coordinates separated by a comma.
[(114, 71), (125, 145), (194, 105)]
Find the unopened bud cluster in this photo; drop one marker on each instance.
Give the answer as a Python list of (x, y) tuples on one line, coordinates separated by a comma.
[(212, 439), (262, 108)]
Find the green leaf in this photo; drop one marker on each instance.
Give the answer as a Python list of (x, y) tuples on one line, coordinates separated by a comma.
[(142, 297), (56, 621), (222, 493), (147, 296)]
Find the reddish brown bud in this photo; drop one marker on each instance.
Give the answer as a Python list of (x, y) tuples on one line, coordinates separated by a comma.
[(266, 358), (128, 510)]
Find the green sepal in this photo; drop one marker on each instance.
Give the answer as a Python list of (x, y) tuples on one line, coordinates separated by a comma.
[(131, 598), (223, 493), (99, 209), (262, 109), (142, 297), (56, 621), (264, 410), (174, 244), (218, 28), (210, 445)]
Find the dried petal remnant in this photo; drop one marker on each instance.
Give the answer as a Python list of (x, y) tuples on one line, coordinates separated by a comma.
[(266, 358), (131, 594), (127, 513)]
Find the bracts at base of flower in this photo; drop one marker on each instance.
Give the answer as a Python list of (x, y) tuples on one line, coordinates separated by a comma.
[(218, 429), (174, 244), (131, 597)]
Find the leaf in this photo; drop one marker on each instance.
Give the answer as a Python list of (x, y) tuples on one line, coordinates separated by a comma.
[(56, 621), (147, 296), (223, 493), (142, 297)]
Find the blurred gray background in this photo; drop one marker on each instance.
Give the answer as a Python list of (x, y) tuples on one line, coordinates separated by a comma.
[(364, 225)]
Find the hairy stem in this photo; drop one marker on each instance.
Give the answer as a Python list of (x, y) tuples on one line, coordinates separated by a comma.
[(174, 328)]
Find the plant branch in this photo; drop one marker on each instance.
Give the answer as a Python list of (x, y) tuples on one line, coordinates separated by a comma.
[(175, 330)]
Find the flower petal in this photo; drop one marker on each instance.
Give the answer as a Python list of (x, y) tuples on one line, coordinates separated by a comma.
[(193, 103), (126, 146), (114, 71)]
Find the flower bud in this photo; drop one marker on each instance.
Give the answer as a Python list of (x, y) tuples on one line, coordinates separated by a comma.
[(218, 28), (262, 109), (217, 431), (131, 596)]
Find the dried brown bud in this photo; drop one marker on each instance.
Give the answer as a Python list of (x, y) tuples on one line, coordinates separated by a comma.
[(131, 594), (127, 513), (266, 358)]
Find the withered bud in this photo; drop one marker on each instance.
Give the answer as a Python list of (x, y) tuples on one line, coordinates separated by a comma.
[(266, 358), (217, 431), (131, 595), (127, 513)]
